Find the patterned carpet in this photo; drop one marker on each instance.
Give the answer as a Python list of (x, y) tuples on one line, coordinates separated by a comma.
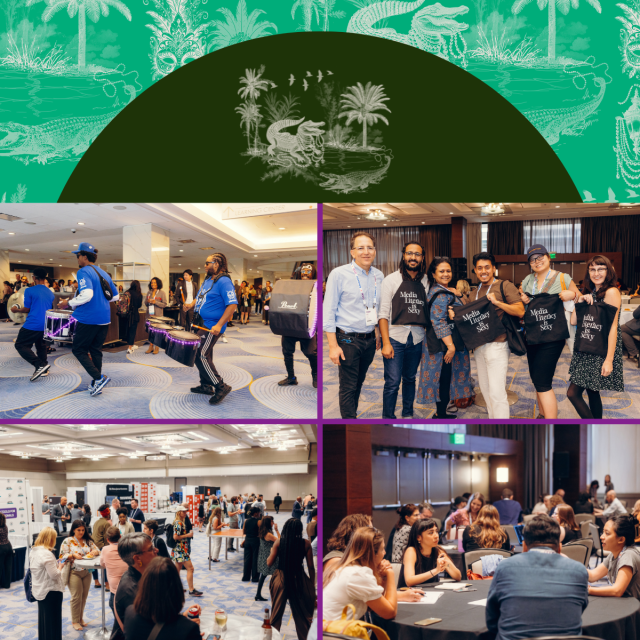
[(625, 405), (155, 386), (222, 587)]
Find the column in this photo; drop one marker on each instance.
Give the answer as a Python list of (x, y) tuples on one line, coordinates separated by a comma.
[(146, 244), (5, 273)]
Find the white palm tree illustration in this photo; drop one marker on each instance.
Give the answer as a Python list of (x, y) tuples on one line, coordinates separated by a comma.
[(563, 6), (361, 105), (239, 28), (254, 84), (83, 8), (249, 112), (309, 7)]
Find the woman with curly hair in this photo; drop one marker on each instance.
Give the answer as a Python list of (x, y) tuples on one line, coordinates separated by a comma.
[(486, 533)]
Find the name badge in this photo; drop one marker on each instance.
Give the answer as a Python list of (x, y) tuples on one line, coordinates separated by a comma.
[(371, 317), (151, 309)]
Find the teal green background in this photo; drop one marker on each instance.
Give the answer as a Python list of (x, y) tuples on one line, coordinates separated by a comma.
[(122, 46)]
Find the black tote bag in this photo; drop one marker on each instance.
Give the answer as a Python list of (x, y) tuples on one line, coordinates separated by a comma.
[(435, 344), (594, 326), (514, 330), (478, 323), (544, 319)]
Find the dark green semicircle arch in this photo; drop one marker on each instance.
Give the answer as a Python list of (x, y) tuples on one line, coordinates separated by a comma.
[(453, 138)]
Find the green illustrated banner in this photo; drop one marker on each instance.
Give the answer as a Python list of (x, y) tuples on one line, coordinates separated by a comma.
[(69, 67)]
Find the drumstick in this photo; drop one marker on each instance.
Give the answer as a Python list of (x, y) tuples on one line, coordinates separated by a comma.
[(203, 328)]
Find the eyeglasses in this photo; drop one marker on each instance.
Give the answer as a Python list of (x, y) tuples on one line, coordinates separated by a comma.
[(413, 253), (598, 271), (361, 249), (537, 260), (208, 262)]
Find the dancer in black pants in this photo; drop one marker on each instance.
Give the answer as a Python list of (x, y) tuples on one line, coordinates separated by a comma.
[(6, 554), (133, 318), (251, 546)]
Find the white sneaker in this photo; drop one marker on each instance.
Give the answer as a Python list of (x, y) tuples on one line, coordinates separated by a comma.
[(223, 339)]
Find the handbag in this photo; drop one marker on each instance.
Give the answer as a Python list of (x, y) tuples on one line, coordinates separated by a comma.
[(106, 287), (435, 344), (544, 319), (515, 331), (28, 586), (353, 628), (478, 323), (594, 326), (155, 631)]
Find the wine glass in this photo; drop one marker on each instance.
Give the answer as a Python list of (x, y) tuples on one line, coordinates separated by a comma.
[(221, 618)]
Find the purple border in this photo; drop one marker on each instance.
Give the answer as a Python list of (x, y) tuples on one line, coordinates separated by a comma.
[(319, 530), (478, 421)]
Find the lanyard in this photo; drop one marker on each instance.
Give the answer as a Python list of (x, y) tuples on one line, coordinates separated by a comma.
[(535, 283), (375, 288), (203, 294), (480, 287)]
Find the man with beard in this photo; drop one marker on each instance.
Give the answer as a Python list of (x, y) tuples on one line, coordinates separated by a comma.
[(402, 323), (215, 303), (308, 346)]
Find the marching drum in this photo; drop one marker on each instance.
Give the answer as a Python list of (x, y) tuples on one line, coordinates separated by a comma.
[(16, 298), (293, 308), (182, 346), (59, 325), (158, 334)]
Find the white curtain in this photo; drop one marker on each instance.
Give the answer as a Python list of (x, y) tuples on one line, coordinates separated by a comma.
[(557, 236)]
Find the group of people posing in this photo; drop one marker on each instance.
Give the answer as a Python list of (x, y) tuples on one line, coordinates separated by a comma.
[(419, 320)]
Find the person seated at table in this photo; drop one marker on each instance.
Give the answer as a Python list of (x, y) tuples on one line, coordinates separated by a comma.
[(614, 508), (569, 529), (111, 561), (409, 513), (554, 501), (538, 592), (79, 545), (509, 509), (362, 578), (584, 504), (424, 559), (627, 331), (542, 506), (593, 492), (622, 567), (150, 527), (468, 515), (340, 539), (160, 600), (486, 532)]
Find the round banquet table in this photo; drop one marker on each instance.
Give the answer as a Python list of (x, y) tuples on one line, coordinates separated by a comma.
[(235, 624), (609, 618)]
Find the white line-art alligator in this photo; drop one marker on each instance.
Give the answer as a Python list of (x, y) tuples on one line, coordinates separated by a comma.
[(60, 138), (355, 181), (568, 120), (305, 147), (433, 28)]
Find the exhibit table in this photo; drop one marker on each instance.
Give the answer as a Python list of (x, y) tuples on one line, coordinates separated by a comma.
[(610, 618), (103, 633), (237, 628), (228, 533)]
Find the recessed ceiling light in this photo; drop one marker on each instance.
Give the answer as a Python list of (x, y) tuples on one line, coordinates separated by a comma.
[(19, 260), (255, 255), (281, 228), (424, 222), (179, 265), (557, 206), (12, 233), (384, 225), (75, 245), (26, 249), (181, 250), (81, 223), (451, 213), (50, 258)]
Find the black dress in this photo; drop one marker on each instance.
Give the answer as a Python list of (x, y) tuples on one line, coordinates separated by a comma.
[(423, 564), (6, 558), (135, 626), (570, 535), (470, 543)]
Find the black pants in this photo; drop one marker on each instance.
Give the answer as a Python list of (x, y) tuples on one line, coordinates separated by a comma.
[(25, 340), (50, 616), (186, 318), (358, 354), (6, 565), (87, 347), (251, 548), (131, 333), (309, 347), (277, 508), (445, 388), (208, 372), (258, 306), (591, 410), (542, 359)]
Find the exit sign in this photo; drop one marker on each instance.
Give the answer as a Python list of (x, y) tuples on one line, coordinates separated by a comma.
[(552, 255), (456, 438)]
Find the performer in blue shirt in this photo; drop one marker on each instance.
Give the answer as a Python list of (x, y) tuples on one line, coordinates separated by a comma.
[(36, 302), (215, 303), (92, 312)]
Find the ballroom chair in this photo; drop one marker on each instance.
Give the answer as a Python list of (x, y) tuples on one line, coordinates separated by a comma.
[(597, 544), (584, 528), (511, 532), (396, 570), (585, 541), (526, 519), (585, 517), (471, 557), (577, 552)]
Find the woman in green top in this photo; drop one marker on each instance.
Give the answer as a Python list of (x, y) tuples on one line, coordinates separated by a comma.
[(543, 358)]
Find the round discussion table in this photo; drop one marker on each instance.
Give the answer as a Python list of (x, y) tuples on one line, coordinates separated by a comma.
[(607, 618), (102, 633), (235, 624)]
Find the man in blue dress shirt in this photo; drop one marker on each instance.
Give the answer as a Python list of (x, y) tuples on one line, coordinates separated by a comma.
[(508, 508), (350, 319), (539, 592)]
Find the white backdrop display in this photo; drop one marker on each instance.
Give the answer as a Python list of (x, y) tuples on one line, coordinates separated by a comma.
[(146, 493), (14, 503)]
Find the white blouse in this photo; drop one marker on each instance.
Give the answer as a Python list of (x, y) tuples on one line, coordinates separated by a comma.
[(45, 576), (351, 585)]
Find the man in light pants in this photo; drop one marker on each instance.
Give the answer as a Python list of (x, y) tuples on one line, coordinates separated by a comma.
[(492, 359)]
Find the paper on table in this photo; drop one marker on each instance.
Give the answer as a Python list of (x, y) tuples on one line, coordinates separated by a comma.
[(481, 603), (453, 585), (431, 597)]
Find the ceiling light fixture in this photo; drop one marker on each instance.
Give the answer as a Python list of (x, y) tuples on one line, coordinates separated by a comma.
[(81, 223), (493, 208)]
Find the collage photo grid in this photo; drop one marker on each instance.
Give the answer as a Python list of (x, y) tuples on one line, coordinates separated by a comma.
[(282, 421)]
